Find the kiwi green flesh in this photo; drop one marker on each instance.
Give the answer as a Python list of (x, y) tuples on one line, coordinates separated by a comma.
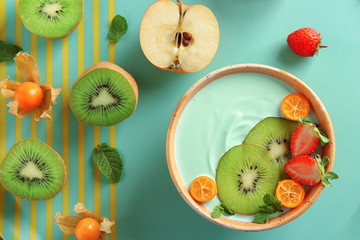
[(244, 175), (103, 97), (50, 18), (274, 134), (32, 170)]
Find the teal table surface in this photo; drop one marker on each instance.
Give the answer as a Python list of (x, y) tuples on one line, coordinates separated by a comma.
[(148, 206)]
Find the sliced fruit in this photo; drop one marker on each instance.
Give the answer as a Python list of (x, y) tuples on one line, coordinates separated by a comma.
[(87, 229), (295, 105), (244, 175), (104, 95), (306, 139), (203, 189), (179, 38), (51, 18), (310, 170), (33, 171), (28, 95), (274, 134), (290, 193)]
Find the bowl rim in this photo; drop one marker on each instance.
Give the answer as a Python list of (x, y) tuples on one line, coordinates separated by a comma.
[(299, 86)]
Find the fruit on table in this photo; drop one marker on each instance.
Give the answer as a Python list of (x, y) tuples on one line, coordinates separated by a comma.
[(306, 139), (51, 19), (310, 170), (203, 189), (275, 135), (28, 95), (305, 42), (295, 105), (179, 38), (290, 193), (32, 170), (87, 229), (104, 95), (244, 175)]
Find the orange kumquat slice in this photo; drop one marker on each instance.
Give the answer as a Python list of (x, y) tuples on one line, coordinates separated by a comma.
[(295, 105), (203, 189), (290, 193)]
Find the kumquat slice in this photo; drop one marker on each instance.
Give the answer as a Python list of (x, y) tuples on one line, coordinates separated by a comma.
[(295, 105), (290, 193), (203, 189)]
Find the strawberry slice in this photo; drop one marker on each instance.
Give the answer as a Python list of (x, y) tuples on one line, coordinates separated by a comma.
[(306, 139), (309, 170)]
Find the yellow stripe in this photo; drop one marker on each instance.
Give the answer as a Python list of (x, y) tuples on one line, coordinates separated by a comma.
[(97, 198), (3, 114), (112, 130), (49, 133), (17, 210), (33, 204), (81, 144), (65, 119), (34, 54)]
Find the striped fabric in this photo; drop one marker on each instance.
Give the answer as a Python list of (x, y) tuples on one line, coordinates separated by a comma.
[(60, 63)]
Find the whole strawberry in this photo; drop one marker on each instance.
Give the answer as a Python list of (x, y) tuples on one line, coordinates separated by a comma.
[(305, 42)]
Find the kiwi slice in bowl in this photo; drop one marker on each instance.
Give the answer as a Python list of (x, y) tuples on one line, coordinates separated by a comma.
[(32, 170), (274, 134), (244, 175), (104, 95), (51, 18)]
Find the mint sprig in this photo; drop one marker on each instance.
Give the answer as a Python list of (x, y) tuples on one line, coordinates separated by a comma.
[(322, 136), (8, 51), (118, 27), (108, 161), (325, 176), (271, 208), (222, 209)]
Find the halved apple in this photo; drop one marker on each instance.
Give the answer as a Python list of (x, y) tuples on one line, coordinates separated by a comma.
[(179, 38)]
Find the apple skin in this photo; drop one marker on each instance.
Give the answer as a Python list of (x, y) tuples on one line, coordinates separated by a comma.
[(185, 8)]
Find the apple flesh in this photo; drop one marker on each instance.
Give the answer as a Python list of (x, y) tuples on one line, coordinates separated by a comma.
[(179, 38)]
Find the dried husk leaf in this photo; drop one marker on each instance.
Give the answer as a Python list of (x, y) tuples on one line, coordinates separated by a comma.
[(8, 88), (103, 236), (83, 212), (105, 225), (27, 67), (49, 97), (66, 224), (14, 109)]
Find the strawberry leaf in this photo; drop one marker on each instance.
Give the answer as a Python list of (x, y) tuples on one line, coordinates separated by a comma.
[(326, 182), (331, 175), (325, 161), (323, 138), (303, 120)]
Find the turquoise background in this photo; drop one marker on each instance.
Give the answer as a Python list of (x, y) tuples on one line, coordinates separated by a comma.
[(251, 31)]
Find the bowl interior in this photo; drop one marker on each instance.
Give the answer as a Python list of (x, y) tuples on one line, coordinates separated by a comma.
[(317, 108)]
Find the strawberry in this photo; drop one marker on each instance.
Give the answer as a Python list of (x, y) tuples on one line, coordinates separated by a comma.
[(305, 42), (309, 170), (306, 139)]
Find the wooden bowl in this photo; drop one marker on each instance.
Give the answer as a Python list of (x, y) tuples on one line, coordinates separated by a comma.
[(319, 111)]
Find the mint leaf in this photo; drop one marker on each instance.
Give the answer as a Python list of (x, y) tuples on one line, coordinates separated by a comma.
[(118, 27), (268, 199), (217, 211), (331, 175), (8, 51), (226, 210), (263, 217), (108, 161)]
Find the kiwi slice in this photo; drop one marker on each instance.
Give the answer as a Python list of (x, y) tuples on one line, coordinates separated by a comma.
[(274, 134), (51, 18), (104, 95), (244, 175), (32, 170)]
